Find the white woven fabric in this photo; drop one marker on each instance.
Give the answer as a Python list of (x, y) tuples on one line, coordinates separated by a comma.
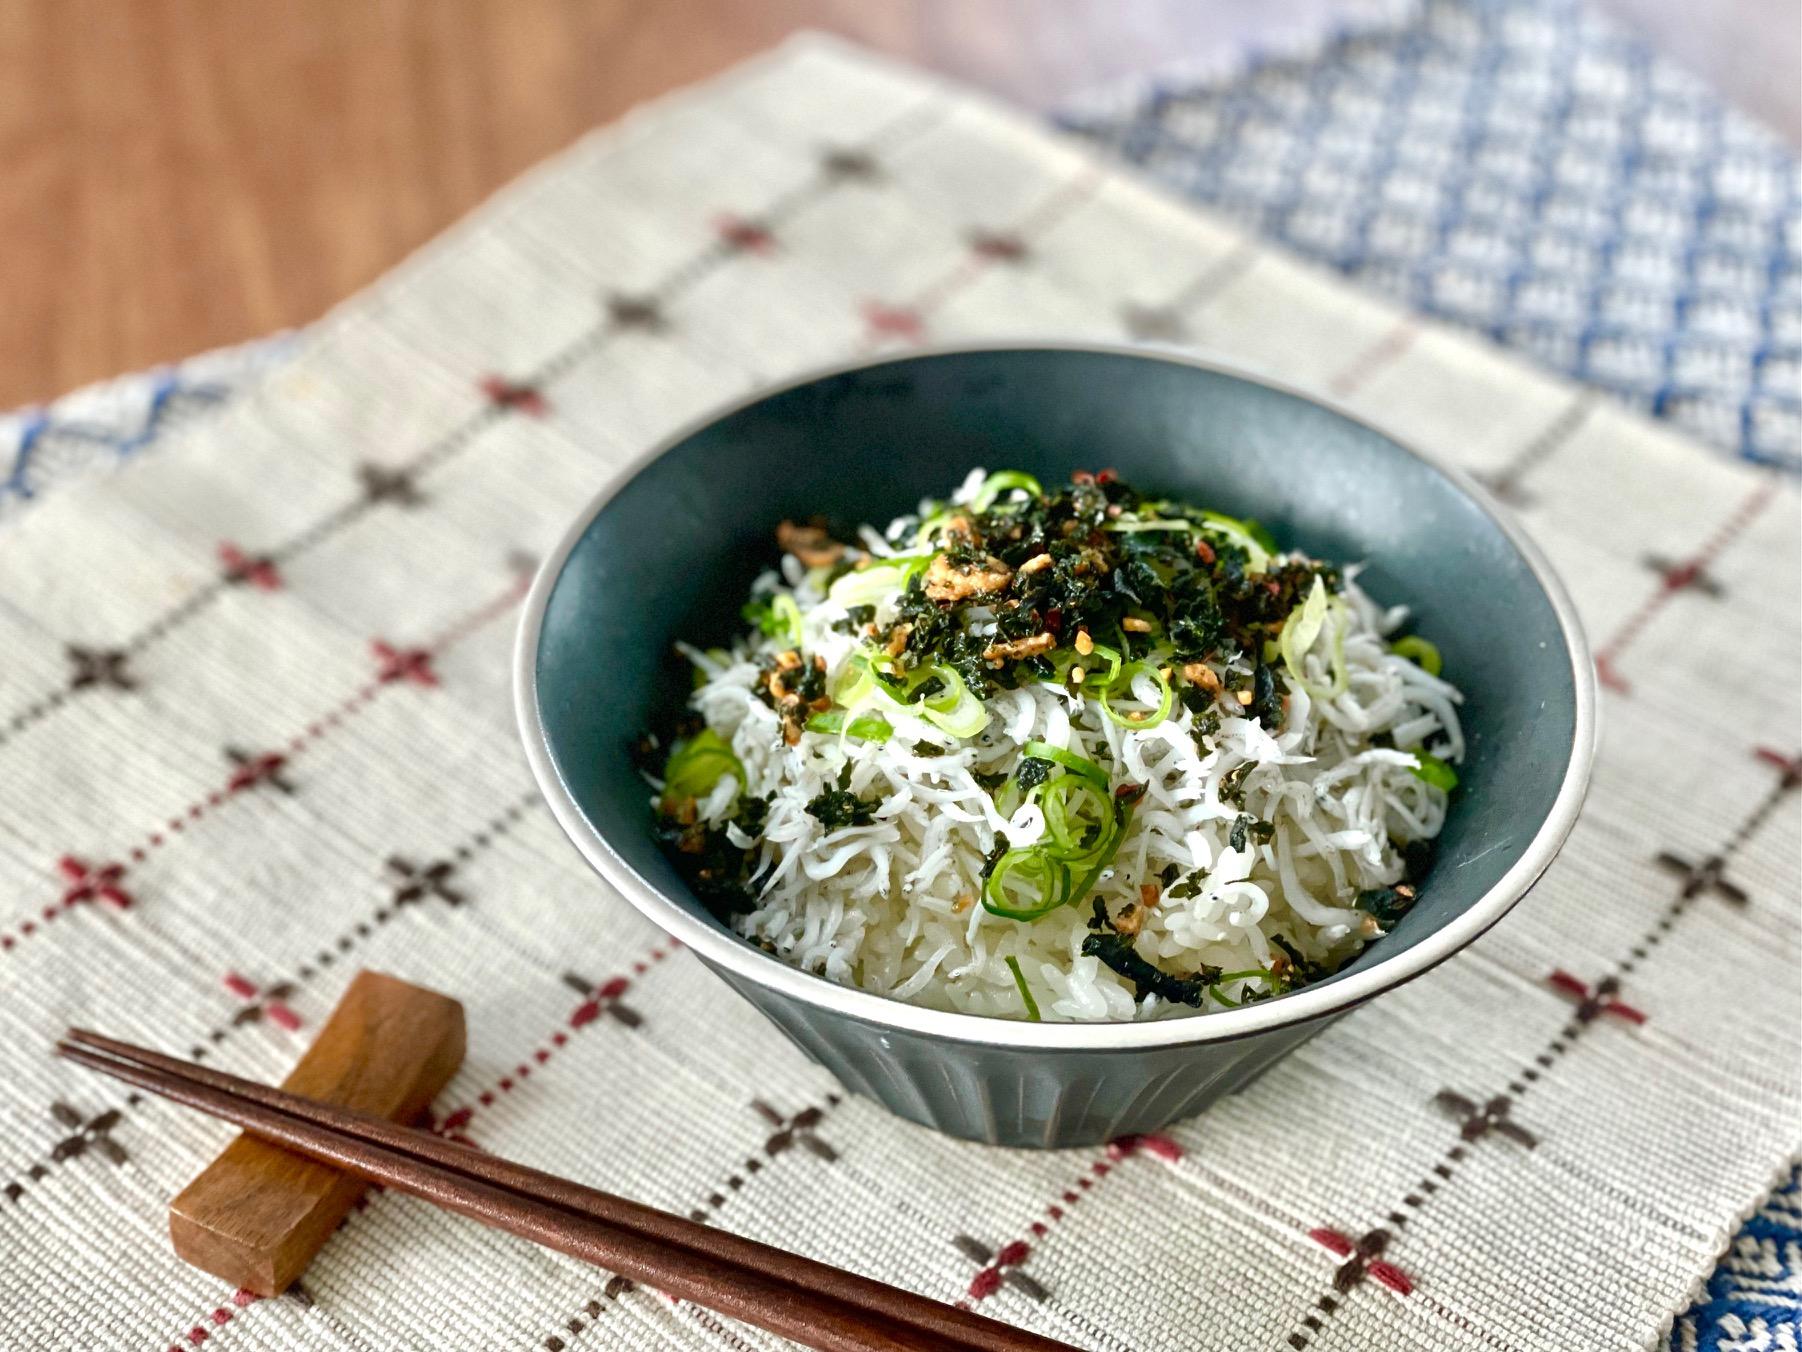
[(226, 594)]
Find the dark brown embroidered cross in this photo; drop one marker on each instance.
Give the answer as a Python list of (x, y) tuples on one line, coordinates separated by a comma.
[(1707, 876), (849, 164), (1479, 1119), (1153, 324), (1591, 1005), (517, 396), (792, 1130), (1686, 574), (998, 1267), (602, 999), (1361, 1260), (998, 246), (252, 770), (98, 667), (403, 664), (414, 884), (256, 570), (636, 312), (85, 1134), (99, 883), (744, 234), (389, 485)]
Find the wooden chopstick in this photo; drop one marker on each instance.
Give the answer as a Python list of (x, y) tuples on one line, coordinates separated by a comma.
[(795, 1297)]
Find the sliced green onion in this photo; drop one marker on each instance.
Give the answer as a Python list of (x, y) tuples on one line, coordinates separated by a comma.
[(1302, 630), (1093, 679), (788, 619), (1424, 653), (1026, 884), (867, 727), (930, 526), (1032, 1006), (1151, 717), (855, 683), (1074, 807), (1000, 482), (1304, 623), (1244, 534), (697, 765), (1068, 759), (883, 579), (1123, 818), (1128, 527), (1431, 770), (956, 709)]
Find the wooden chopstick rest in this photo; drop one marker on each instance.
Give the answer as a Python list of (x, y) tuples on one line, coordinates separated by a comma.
[(258, 1213)]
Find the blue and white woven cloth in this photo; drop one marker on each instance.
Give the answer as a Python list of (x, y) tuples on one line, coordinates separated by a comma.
[(1528, 171), (1753, 1302)]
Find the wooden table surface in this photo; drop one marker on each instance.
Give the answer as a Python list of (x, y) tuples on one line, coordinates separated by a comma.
[(182, 174)]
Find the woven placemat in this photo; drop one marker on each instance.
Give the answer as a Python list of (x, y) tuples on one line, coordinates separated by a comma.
[(256, 733)]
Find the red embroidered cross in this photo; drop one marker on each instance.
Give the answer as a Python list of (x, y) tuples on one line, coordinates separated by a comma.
[(1707, 876), (1791, 766), (273, 1002), (87, 884), (1686, 573), (602, 999), (744, 234), (998, 1267), (1478, 1120), (1591, 1005), (403, 664), (519, 397), (1122, 1147), (1361, 1260), (256, 569), (893, 321), (253, 770)]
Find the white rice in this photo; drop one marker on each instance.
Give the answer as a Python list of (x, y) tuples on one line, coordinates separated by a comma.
[(894, 907)]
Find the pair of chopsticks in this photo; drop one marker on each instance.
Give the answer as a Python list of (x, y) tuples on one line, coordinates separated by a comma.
[(812, 1303)]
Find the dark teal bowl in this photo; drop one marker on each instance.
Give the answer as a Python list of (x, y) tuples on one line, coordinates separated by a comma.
[(668, 552)]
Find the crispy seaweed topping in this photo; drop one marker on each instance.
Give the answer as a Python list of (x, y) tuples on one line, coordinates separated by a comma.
[(1115, 951)]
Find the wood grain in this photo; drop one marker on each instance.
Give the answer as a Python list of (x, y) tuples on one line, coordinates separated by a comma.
[(257, 1214), (186, 173)]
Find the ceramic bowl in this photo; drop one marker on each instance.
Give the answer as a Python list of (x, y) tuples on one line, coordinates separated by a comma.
[(668, 550)]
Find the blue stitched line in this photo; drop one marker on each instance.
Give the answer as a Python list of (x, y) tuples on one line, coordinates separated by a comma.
[(39, 429)]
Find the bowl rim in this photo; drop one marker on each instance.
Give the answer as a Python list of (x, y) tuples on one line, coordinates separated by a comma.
[(721, 948)]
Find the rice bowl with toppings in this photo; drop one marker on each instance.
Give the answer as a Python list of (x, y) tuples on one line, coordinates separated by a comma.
[(1079, 755)]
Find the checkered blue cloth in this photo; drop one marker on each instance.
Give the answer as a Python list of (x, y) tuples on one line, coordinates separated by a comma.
[(1526, 170)]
